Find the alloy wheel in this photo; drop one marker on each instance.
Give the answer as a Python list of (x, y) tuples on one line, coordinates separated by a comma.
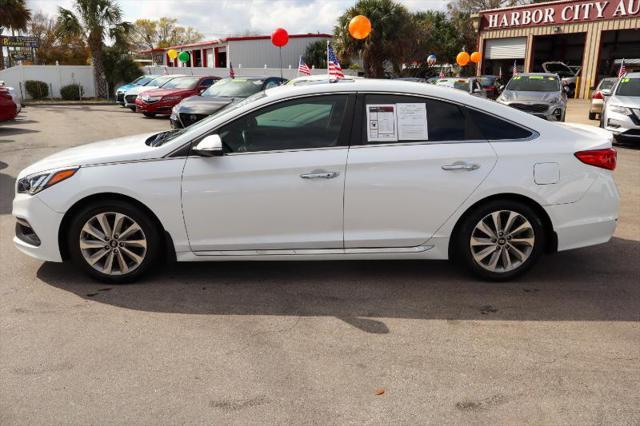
[(113, 243), (502, 241)]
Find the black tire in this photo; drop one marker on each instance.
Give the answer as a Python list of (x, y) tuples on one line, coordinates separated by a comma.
[(149, 114), (132, 108), (592, 116), (462, 251), (150, 233)]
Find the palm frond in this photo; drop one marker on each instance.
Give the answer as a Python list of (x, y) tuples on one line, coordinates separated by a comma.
[(67, 23)]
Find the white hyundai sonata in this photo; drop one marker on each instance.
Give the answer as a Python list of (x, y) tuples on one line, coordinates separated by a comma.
[(365, 169)]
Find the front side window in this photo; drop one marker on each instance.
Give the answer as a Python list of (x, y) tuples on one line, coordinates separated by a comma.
[(307, 123)]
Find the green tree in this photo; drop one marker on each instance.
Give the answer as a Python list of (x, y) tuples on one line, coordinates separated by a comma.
[(119, 67), (391, 37), (66, 49), (14, 15), (316, 54), (94, 20)]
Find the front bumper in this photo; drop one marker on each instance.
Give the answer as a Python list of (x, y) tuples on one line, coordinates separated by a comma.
[(549, 112), (622, 125), (32, 212), (158, 107)]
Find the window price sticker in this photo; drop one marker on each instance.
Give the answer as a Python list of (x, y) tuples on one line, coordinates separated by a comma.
[(381, 123), (394, 122)]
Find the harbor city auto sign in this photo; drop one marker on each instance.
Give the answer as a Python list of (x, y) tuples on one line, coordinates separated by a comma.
[(564, 12)]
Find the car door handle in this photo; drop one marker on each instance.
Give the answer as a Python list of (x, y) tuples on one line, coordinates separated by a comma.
[(461, 165), (319, 174)]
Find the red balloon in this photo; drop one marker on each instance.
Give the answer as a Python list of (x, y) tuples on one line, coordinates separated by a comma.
[(280, 37)]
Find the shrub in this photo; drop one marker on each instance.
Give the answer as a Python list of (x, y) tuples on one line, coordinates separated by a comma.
[(37, 89), (72, 92)]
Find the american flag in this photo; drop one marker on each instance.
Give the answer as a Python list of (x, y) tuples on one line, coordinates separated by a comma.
[(232, 73), (303, 68), (335, 70), (515, 68), (623, 69)]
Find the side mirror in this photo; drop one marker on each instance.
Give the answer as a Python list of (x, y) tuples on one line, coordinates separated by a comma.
[(565, 89), (211, 146), (606, 92)]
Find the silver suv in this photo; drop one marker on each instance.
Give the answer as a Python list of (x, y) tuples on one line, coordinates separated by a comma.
[(540, 94), (621, 114)]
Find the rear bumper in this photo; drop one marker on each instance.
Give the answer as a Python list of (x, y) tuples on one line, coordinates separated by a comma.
[(589, 221), (596, 106)]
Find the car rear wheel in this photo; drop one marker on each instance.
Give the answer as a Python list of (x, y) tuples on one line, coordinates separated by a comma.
[(592, 116), (500, 240), (114, 241)]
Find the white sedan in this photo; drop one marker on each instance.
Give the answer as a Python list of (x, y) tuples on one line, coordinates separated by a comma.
[(374, 169)]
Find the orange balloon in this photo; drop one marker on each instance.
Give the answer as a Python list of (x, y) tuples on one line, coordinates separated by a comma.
[(462, 59), (359, 27), (475, 57)]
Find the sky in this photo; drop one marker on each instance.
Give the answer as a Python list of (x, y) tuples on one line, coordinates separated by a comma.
[(222, 18)]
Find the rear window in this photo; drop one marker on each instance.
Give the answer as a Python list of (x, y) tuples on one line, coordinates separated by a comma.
[(607, 84)]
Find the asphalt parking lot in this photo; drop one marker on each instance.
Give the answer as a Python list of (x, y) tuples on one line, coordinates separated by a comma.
[(313, 342)]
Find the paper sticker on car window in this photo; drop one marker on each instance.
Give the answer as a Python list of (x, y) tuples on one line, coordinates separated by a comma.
[(536, 77), (382, 123), (625, 80), (412, 122)]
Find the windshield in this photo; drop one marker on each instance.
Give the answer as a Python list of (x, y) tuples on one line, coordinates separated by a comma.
[(487, 81), (141, 80), (234, 87), (159, 81), (607, 84), (533, 83), (628, 87), (182, 83)]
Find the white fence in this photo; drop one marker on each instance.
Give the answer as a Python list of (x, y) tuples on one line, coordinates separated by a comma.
[(56, 76), (287, 73)]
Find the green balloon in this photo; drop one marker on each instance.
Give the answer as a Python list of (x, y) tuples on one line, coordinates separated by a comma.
[(183, 57)]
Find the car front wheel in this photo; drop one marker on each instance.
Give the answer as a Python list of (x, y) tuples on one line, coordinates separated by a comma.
[(114, 241), (500, 240)]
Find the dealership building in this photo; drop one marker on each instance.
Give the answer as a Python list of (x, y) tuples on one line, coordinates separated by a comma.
[(592, 36), (245, 52)]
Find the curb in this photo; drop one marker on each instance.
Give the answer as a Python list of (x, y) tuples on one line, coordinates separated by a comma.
[(30, 104)]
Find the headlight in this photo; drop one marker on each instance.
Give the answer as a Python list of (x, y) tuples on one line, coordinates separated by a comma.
[(147, 98), (36, 182), (620, 109)]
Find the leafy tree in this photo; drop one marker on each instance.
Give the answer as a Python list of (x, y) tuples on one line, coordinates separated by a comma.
[(148, 33), (14, 15), (93, 20), (316, 54), (390, 39), (66, 50), (119, 67)]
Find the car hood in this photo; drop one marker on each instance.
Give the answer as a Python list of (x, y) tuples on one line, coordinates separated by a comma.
[(125, 87), (165, 92), (113, 150), (204, 104), (517, 96), (625, 101), (135, 90)]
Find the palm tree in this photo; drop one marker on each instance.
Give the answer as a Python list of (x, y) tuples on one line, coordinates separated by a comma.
[(390, 38), (93, 20), (14, 15)]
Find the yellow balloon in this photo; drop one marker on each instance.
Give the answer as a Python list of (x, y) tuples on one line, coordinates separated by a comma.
[(172, 53)]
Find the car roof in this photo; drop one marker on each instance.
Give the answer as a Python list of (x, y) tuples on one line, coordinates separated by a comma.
[(632, 74)]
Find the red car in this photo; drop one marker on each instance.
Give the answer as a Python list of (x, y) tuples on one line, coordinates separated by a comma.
[(161, 100), (8, 108)]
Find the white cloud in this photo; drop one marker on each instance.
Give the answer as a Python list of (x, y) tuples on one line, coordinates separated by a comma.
[(220, 18)]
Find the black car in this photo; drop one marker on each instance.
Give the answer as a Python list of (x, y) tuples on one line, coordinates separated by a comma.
[(218, 96), (490, 84)]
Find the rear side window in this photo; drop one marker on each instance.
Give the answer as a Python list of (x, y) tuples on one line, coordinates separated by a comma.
[(495, 129), (445, 121)]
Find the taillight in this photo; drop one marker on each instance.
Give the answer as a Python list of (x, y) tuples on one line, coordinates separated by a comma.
[(604, 158), (598, 95)]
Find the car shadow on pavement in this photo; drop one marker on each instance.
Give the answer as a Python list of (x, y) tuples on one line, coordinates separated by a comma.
[(593, 284), (11, 131)]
